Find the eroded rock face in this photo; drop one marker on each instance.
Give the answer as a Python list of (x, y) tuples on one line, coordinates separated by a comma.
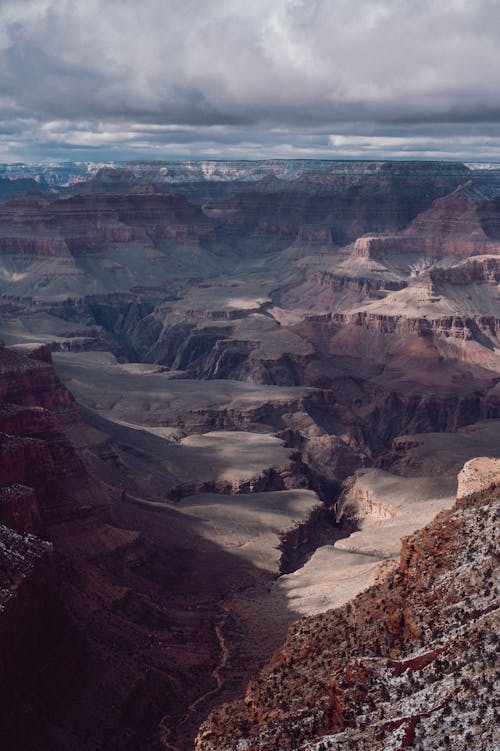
[(352, 201), (120, 597), (477, 475), (462, 224), (30, 381), (484, 268), (27, 582), (41, 476), (82, 245), (83, 224), (393, 668)]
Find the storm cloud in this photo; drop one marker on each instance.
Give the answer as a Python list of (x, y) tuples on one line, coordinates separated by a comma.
[(167, 78)]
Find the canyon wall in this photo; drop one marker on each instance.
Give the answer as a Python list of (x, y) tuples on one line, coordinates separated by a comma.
[(394, 667), (329, 307)]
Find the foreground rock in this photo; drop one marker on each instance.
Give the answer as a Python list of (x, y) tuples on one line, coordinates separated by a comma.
[(408, 662), (477, 475), (27, 588)]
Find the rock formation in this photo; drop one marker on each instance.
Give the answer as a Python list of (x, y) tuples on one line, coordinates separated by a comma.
[(27, 589), (409, 662), (227, 390)]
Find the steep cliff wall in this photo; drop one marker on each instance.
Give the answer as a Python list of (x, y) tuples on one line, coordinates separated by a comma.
[(461, 224), (34, 451), (31, 381), (408, 662), (350, 203), (83, 224)]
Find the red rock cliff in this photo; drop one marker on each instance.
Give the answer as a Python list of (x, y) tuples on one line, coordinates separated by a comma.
[(408, 662)]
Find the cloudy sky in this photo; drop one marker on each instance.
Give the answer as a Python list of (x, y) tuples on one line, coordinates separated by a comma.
[(162, 79)]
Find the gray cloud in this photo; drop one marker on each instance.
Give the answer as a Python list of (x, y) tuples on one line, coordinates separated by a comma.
[(229, 77)]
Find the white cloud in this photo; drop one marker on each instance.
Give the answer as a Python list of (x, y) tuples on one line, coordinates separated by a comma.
[(412, 146)]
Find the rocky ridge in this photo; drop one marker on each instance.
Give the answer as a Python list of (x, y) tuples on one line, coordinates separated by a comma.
[(408, 662)]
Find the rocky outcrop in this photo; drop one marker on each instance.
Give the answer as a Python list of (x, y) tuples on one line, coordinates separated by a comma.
[(358, 502), (28, 461), (448, 326), (27, 582), (476, 269), (370, 341), (366, 287), (31, 381), (393, 668), (330, 459), (293, 476), (378, 246), (462, 224), (295, 542), (19, 508), (34, 451), (430, 247), (310, 234), (477, 475), (38, 454), (465, 212)]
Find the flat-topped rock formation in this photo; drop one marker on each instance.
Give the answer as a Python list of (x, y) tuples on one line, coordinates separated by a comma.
[(441, 455), (254, 527), (168, 399)]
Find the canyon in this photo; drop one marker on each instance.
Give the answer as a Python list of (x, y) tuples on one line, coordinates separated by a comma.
[(235, 399)]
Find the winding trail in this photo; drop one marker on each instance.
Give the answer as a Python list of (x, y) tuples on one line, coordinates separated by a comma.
[(224, 655)]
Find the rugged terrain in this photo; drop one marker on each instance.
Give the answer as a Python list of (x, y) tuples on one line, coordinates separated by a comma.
[(227, 391), (408, 663), (127, 598)]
